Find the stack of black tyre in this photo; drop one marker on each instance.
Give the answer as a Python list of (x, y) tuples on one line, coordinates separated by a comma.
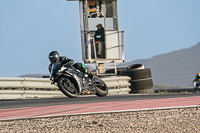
[(141, 81)]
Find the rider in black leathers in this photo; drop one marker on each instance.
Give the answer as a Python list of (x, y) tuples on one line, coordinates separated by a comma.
[(55, 57)]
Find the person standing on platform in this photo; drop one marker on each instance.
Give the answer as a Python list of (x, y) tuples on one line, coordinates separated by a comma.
[(100, 41)]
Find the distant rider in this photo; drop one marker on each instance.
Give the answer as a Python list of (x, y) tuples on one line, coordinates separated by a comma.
[(196, 82), (55, 57)]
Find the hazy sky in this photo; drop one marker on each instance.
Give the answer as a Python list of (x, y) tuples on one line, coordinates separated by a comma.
[(30, 29)]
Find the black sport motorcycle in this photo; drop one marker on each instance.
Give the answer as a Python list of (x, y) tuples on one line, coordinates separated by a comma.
[(73, 82)]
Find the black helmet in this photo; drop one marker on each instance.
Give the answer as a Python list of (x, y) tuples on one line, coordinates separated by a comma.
[(53, 56)]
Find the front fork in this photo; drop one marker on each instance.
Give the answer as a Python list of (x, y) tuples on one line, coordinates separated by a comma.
[(53, 81)]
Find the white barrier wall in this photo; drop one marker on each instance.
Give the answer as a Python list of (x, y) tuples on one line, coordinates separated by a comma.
[(19, 87)]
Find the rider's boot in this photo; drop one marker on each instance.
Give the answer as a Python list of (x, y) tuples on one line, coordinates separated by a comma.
[(85, 92)]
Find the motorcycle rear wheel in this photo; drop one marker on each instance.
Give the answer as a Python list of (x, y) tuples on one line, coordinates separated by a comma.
[(67, 87), (102, 89)]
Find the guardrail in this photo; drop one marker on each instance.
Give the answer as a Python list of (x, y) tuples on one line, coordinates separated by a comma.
[(21, 87)]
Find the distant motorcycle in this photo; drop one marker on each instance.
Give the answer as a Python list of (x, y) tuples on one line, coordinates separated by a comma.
[(73, 82)]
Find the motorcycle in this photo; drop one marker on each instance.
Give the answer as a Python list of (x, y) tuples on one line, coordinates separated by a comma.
[(73, 82)]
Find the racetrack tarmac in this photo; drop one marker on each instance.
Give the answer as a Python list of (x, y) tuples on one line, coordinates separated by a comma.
[(21, 103)]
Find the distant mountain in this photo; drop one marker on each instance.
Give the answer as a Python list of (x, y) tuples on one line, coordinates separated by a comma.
[(176, 68)]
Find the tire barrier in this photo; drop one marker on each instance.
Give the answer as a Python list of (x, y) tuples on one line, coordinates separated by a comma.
[(135, 74), (142, 86), (130, 67), (135, 66), (119, 70), (20, 87), (141, 81)]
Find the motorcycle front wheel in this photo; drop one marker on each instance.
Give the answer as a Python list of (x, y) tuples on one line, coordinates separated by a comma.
[(102, 89), (67, 87)]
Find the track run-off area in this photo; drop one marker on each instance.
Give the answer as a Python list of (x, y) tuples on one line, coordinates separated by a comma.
[(48, 107)]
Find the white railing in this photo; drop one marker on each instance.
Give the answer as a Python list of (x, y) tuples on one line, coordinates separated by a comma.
[(20, 87)]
